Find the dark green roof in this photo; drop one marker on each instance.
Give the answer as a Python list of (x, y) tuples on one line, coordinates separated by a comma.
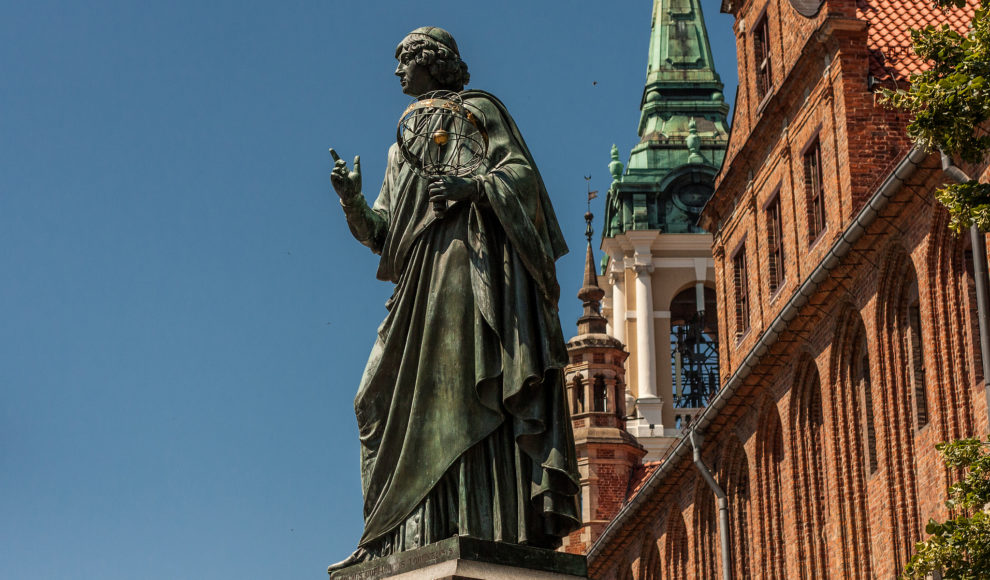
[(683, 130)]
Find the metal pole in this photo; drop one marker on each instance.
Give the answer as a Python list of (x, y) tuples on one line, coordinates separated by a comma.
[(982, 305), (723, 508), (981, 279)]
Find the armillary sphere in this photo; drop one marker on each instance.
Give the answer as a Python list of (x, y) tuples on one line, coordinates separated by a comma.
[(438, 135)]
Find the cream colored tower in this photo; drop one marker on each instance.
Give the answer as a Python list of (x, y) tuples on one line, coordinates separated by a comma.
[(648, 272), (660, 269)]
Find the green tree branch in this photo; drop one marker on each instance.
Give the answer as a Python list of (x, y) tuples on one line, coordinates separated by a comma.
[(959, 547), (950, 106)]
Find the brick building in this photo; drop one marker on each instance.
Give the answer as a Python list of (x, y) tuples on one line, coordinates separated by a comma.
[(850, 342)]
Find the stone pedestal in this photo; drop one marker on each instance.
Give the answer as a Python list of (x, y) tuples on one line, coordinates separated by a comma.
[(650, 411), (462, 558)]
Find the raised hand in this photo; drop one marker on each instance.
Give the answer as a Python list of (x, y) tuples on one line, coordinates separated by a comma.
[(346, 183)]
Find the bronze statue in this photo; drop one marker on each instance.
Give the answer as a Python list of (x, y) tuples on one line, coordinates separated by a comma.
[(463, 422)]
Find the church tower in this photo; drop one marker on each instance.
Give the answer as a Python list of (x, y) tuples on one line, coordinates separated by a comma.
[(660, 289), (607, 454)]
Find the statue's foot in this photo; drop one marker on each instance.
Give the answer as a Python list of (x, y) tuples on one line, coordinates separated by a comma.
[(359, 555)]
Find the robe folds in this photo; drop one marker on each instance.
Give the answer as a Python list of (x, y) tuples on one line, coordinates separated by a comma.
[(463, 423)]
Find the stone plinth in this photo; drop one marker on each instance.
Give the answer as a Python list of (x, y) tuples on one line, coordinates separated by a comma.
[(462, 558)]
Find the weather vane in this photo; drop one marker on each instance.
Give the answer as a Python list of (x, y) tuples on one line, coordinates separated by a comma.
[(589, 231)]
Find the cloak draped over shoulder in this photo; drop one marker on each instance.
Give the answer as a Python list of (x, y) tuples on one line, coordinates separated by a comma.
[(463, 422)]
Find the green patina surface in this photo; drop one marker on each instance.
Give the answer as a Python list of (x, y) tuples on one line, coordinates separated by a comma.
[(682, 128)]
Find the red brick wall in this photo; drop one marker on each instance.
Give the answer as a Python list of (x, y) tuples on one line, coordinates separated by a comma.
[(791, 445)]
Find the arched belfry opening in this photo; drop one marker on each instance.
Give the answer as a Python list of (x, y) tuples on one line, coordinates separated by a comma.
[(694, 347)]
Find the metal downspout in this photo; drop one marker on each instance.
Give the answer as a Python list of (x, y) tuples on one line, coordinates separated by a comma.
[(979, 245), (723, 507)]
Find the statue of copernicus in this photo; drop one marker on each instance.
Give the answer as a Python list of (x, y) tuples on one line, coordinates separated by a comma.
[(463, 422)]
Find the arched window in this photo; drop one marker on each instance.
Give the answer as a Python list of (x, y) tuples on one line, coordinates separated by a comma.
[(675, 562), (864, 386), (627, 573), (599, 395), (770, 457), (809, 467), (649, 560), (694, 347), (706, 531), (954, 346), (900, 391), (734, 478), (917, 365), (851, 371), (578, 395)]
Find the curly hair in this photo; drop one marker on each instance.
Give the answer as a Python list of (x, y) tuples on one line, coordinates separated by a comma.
[(444, 64)]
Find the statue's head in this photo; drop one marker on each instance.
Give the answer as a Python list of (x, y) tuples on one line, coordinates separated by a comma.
[(429, 61)]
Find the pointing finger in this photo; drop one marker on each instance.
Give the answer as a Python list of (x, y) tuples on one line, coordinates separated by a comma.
[(357, 164), (334, 155)]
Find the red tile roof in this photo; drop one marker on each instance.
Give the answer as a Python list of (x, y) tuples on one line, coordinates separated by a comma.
[(890, 24), (639, 477)]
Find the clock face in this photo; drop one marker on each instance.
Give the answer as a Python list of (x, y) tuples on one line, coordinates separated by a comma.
[(807, 8), (693, 197)]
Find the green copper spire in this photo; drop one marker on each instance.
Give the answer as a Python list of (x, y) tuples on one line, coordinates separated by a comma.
[(682, 129), (679, 49)]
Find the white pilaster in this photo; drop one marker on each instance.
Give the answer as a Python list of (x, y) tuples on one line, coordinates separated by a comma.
[(617, 278), (646, 366)]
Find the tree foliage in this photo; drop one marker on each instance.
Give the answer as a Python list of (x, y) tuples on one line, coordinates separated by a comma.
[(960, 546), (950, 105)]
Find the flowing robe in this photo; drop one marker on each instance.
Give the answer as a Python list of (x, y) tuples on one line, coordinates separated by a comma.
[(463, 423)]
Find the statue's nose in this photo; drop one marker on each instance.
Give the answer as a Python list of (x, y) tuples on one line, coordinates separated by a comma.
[(399, 70)]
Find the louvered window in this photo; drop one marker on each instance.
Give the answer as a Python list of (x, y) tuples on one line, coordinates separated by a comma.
[(761, 46), (739, 282), (814, 187), (866, 388), (775, 245), (917, 366)]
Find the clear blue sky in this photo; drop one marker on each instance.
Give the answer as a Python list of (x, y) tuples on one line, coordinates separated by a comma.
[(185, 314)]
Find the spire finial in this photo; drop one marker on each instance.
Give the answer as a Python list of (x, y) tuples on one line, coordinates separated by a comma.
[(693, 142), (614, 165), (591, 321), (588, 230)]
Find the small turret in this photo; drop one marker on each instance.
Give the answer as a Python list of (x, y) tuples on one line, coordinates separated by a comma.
[(595, 378)]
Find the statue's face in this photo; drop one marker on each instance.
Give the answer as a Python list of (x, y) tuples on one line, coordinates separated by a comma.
[(416, 79)]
